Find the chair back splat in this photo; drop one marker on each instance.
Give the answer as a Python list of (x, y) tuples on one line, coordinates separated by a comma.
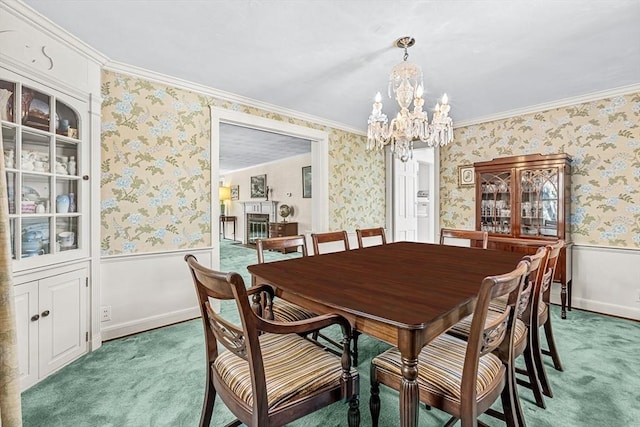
[(324, 239), (371, 234), (477, 239), (269, 374)]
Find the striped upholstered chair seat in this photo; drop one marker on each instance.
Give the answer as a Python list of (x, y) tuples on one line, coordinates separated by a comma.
[(284, 311), (440, 365), (314, 369)]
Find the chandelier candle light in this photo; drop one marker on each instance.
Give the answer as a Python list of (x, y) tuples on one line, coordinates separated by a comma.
[(408, 127)]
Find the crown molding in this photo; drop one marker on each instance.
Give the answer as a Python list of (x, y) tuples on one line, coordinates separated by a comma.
[(133, 70), (565, 102), (33, 18)]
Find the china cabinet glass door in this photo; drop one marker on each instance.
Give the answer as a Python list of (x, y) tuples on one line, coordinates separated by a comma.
[(41, 151), (539, 202), (495, 202)]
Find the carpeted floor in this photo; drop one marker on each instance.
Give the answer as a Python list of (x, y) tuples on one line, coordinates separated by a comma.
[(156, 378)]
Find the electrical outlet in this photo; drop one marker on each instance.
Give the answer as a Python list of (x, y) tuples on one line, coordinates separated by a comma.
[(106, 313)]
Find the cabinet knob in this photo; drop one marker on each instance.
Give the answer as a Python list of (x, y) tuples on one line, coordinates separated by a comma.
[(85, 177), (35, 317), (45, 313)]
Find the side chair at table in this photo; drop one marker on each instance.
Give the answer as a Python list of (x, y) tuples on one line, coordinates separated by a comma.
[(462, 378), (541, 318), (521, 341), (268, 375), (371, 234), (281, 310), (476, 238), (322, 240)]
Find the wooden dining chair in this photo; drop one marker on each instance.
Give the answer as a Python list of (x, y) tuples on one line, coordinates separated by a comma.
[(339, 240), (476, 238), (463, 378), (375, 234), (332, 241), (269, 375), (521, 341), (282, 310), (540, 306)]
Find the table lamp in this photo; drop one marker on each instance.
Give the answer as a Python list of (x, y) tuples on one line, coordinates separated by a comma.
[(224, 194)]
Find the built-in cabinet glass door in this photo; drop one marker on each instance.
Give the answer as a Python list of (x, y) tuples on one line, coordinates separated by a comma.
[(41, 155), (495, 202), (539, 202)]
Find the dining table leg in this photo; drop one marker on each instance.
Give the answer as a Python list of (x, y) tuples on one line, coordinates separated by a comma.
[(409, 392)]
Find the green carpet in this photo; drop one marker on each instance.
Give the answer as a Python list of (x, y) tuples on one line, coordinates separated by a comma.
[(156, 378)]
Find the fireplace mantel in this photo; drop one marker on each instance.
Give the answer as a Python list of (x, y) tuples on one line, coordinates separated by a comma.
[(269, 207)]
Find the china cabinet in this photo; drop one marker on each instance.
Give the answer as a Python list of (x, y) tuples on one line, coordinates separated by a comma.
[(523, 202), (43, 153)]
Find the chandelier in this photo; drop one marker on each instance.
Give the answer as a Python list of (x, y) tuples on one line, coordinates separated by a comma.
[(409, 126)]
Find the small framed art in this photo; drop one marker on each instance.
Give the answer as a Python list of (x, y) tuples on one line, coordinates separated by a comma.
[(466, 176), (258, 186), (306, 182), (235, 192)]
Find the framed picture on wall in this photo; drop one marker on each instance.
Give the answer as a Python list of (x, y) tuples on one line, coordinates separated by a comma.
[(466, 176), (258, 186), (306, 182), (235, 192)]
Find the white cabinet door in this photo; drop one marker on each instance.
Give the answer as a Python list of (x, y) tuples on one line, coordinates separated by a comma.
[(27, 317), (63, 319)]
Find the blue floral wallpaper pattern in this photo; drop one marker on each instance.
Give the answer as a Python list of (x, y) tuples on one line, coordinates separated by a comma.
[(603, 138), (156, 171)]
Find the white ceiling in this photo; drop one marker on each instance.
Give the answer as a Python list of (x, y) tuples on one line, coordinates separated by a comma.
[(328, 58), (242, 147)]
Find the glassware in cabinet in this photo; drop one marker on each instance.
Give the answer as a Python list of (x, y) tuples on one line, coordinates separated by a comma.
[(7, 101), (539, 202), (495, 202)]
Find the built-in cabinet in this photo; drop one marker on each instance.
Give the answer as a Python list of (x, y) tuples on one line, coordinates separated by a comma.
[(523, 202), (51, 320), (50, 127), (44, 156)]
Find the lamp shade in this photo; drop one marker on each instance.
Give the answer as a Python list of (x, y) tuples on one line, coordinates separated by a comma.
[(224, 193)]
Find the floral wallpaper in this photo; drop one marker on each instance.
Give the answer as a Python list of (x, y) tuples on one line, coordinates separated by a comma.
[(155, 184), (603, 138)]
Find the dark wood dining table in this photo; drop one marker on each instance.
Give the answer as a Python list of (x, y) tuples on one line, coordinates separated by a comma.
[(403, 293)]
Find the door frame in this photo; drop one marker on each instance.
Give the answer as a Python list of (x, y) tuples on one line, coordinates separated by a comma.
[(434, 192), (319, 162)]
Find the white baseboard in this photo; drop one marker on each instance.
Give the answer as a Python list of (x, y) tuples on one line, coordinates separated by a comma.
[(611, 309), (140, 325)]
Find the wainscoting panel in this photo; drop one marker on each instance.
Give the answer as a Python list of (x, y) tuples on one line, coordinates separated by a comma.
[(148, 291), (605, 280)]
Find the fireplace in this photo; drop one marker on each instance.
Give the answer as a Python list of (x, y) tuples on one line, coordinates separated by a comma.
[(257, 227)]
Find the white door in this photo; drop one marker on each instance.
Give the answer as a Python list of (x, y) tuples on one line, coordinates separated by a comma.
[(405, 199), (63, 319), (27, 316)]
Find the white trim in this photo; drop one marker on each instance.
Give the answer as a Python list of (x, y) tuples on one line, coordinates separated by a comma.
[(225, 96), (150, 255), (583, 246), (565, 102), (148, 323), (32, 17), (319, 157)]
